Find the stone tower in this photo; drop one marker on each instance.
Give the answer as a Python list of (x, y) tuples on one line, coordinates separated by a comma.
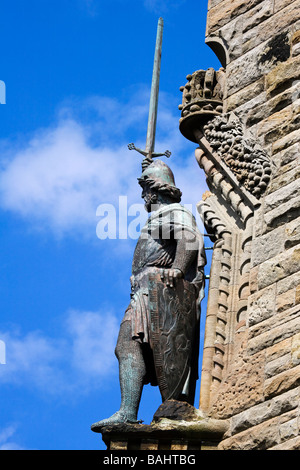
[(245, 120)]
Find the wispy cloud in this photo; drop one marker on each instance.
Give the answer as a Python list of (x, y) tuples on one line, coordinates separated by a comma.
[(162, 6), (6, 441), (92, 7), (72, 362)]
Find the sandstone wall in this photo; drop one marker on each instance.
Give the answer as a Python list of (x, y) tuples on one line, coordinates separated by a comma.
[(258, 41)]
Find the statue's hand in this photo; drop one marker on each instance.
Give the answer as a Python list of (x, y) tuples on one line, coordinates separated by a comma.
[(170, 275)]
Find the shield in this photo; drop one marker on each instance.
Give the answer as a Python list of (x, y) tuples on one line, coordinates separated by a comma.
[(173, 323)]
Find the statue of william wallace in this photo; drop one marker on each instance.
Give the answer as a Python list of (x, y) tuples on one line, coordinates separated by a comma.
[(158, 340)]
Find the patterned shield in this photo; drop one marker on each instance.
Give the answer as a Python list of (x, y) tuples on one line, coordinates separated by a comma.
[(173, 321)]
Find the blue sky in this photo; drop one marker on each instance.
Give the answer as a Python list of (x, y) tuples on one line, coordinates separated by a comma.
[(78, 76)]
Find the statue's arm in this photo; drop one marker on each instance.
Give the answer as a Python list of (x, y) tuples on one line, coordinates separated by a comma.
[(184, 257), (185, 254)]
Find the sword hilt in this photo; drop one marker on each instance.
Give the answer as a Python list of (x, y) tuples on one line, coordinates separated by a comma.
[(167, 153)]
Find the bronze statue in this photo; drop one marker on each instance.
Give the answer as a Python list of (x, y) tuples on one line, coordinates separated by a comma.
[(158, 341), (159, 334)]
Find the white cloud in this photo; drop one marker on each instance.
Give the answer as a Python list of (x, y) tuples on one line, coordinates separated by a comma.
[(59, 178), (93, 342), (73, 362), (5, 439)]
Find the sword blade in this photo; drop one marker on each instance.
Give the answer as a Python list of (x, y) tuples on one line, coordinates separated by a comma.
[(151, 130)]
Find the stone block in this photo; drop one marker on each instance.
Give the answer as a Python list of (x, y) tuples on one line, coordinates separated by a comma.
[(282, 214), (244, 71), (288, 283), (295, 41), (279, 267), (284, 178), (284, 74), (264, 411), (213, 3), (282, 382), (287, 157), (260, 437), (118, 445), (281, 4), (289, 429), (273, 26), (278, 349), (275, 117), (267, 118), (176, 410), (292, 233), (286, 142), (252, 111), (220, 15), (285, 300), (282, 207), (281, 123), (257, 15), (274, 330), (278, 365), (150, 444), (253, 286), (242, 97), (259, 223), (291, 444), (261, 305), (297, 301), (295, 349), (282, 195), (267, 246), (232, 36)]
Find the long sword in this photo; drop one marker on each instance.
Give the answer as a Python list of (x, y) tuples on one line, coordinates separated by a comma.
[(152, 117)]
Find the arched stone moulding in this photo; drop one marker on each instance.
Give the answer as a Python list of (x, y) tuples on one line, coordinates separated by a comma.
[(227, 215)]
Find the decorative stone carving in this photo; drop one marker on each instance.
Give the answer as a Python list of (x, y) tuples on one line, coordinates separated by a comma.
[(202, 99), (249, 163), (228, 289), (202, 121)]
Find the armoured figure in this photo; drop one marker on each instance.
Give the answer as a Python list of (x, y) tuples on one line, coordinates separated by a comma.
[(158, 338)]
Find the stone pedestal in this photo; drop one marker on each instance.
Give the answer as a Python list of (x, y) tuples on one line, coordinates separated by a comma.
[(176, 426)]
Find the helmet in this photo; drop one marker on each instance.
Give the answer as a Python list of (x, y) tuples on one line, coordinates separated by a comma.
[(159, 172), (160, 178)]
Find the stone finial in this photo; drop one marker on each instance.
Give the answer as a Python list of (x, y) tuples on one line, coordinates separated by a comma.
[(202, 100)]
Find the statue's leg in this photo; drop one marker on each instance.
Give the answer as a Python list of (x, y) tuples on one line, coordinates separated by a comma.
[(132, 371)]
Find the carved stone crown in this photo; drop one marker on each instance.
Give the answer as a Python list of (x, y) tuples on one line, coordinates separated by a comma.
[(202, 100)]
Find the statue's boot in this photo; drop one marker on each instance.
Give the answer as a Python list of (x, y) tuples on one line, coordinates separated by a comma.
[(131, 371)]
